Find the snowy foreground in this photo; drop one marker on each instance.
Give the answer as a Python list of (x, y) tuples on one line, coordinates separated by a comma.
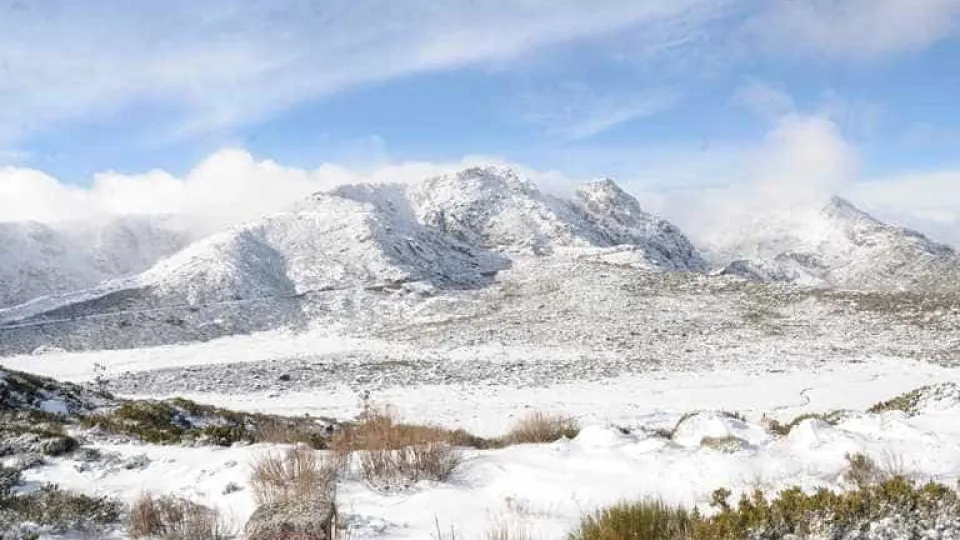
[(545, 489)]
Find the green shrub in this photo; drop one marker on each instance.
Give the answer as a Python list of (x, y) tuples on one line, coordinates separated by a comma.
[(833, 418), (791, 512), (646, 520), (58, 511), (179, 420)]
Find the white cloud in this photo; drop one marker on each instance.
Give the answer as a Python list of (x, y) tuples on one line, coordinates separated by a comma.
[(854, 29), (928, 202), (228, 187), (219, 63)]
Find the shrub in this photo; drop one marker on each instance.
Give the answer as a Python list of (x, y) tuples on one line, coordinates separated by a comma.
[(908, 508), (646, 520), (506, 531), (862, 471), (724, 444), (833, 418), (542, 428), (300, 473), (177, 420), (391, 453), (58, 511), (176, 518)]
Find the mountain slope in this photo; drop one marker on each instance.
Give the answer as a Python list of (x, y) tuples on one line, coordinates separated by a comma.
[(353, 254), (38, 259), (495, 208), (842, 246)]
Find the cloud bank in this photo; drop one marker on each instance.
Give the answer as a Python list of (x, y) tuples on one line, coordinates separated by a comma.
[(802, 161)]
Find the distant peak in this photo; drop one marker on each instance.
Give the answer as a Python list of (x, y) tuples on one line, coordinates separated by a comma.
[(604, 184), (605, 193), (840, 208)]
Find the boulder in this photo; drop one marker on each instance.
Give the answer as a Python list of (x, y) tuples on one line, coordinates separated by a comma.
[(293, 520)]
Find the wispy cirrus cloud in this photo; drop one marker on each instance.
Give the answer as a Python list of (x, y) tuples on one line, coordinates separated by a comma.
[(220, 63), (853, 29), (577, 111)]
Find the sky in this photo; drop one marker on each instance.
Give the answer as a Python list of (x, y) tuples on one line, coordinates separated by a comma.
[(233, 108)]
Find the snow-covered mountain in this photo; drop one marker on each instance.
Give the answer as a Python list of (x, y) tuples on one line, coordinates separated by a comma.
[(841, 246), (38, 259), (355, 236), (450, 232), (495, 208)]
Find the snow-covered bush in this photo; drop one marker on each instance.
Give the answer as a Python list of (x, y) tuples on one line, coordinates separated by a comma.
[(174, 517), (540, 427), (56, 511), (393, 454), (893, 508), (300, 473)]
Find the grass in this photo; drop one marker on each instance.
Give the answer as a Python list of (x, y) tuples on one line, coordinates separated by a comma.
[(56, 510), (391, 453), (670, 433), (540, 427), (177, 420), (724, 444), (791, 512), (909, 402), (299, 473), (833, 418), (175, 518), (645, 520)]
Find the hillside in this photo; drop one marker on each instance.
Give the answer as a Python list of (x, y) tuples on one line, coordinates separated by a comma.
[(840, 246)]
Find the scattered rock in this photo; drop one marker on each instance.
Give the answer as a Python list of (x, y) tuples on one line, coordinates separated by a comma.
[(231, 487), (292, 520)]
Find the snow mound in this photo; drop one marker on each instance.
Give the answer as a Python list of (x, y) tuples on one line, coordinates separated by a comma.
[(814, 433), (695, 428), (600, 437), (840, 246)]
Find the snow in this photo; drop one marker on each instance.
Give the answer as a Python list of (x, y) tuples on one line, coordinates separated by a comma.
[(38, 259), (546, 488), (472, 299), (837, 245)]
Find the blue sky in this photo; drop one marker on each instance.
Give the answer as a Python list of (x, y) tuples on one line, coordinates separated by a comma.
[(663, 94)]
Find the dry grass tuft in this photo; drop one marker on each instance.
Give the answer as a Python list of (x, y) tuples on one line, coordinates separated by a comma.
[(174, 517), (391, 453), (508, 531), (542, 428), (298, 474)]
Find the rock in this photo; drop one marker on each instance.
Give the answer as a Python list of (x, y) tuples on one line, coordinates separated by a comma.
[(292, 520), (231, 487), (57, 446), (284, 378)]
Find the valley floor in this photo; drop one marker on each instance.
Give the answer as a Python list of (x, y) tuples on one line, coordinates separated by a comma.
[(543, 489)]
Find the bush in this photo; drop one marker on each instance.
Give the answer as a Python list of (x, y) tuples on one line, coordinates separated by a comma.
[(646, 520), (833, 418), (178, 420), (728, 444), (300, 473), (862, 471), (58, 511), (175, 518), (542, 428), (391, 453), (909, 510)]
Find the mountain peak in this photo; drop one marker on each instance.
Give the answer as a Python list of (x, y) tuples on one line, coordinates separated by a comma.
[(840, 208)]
